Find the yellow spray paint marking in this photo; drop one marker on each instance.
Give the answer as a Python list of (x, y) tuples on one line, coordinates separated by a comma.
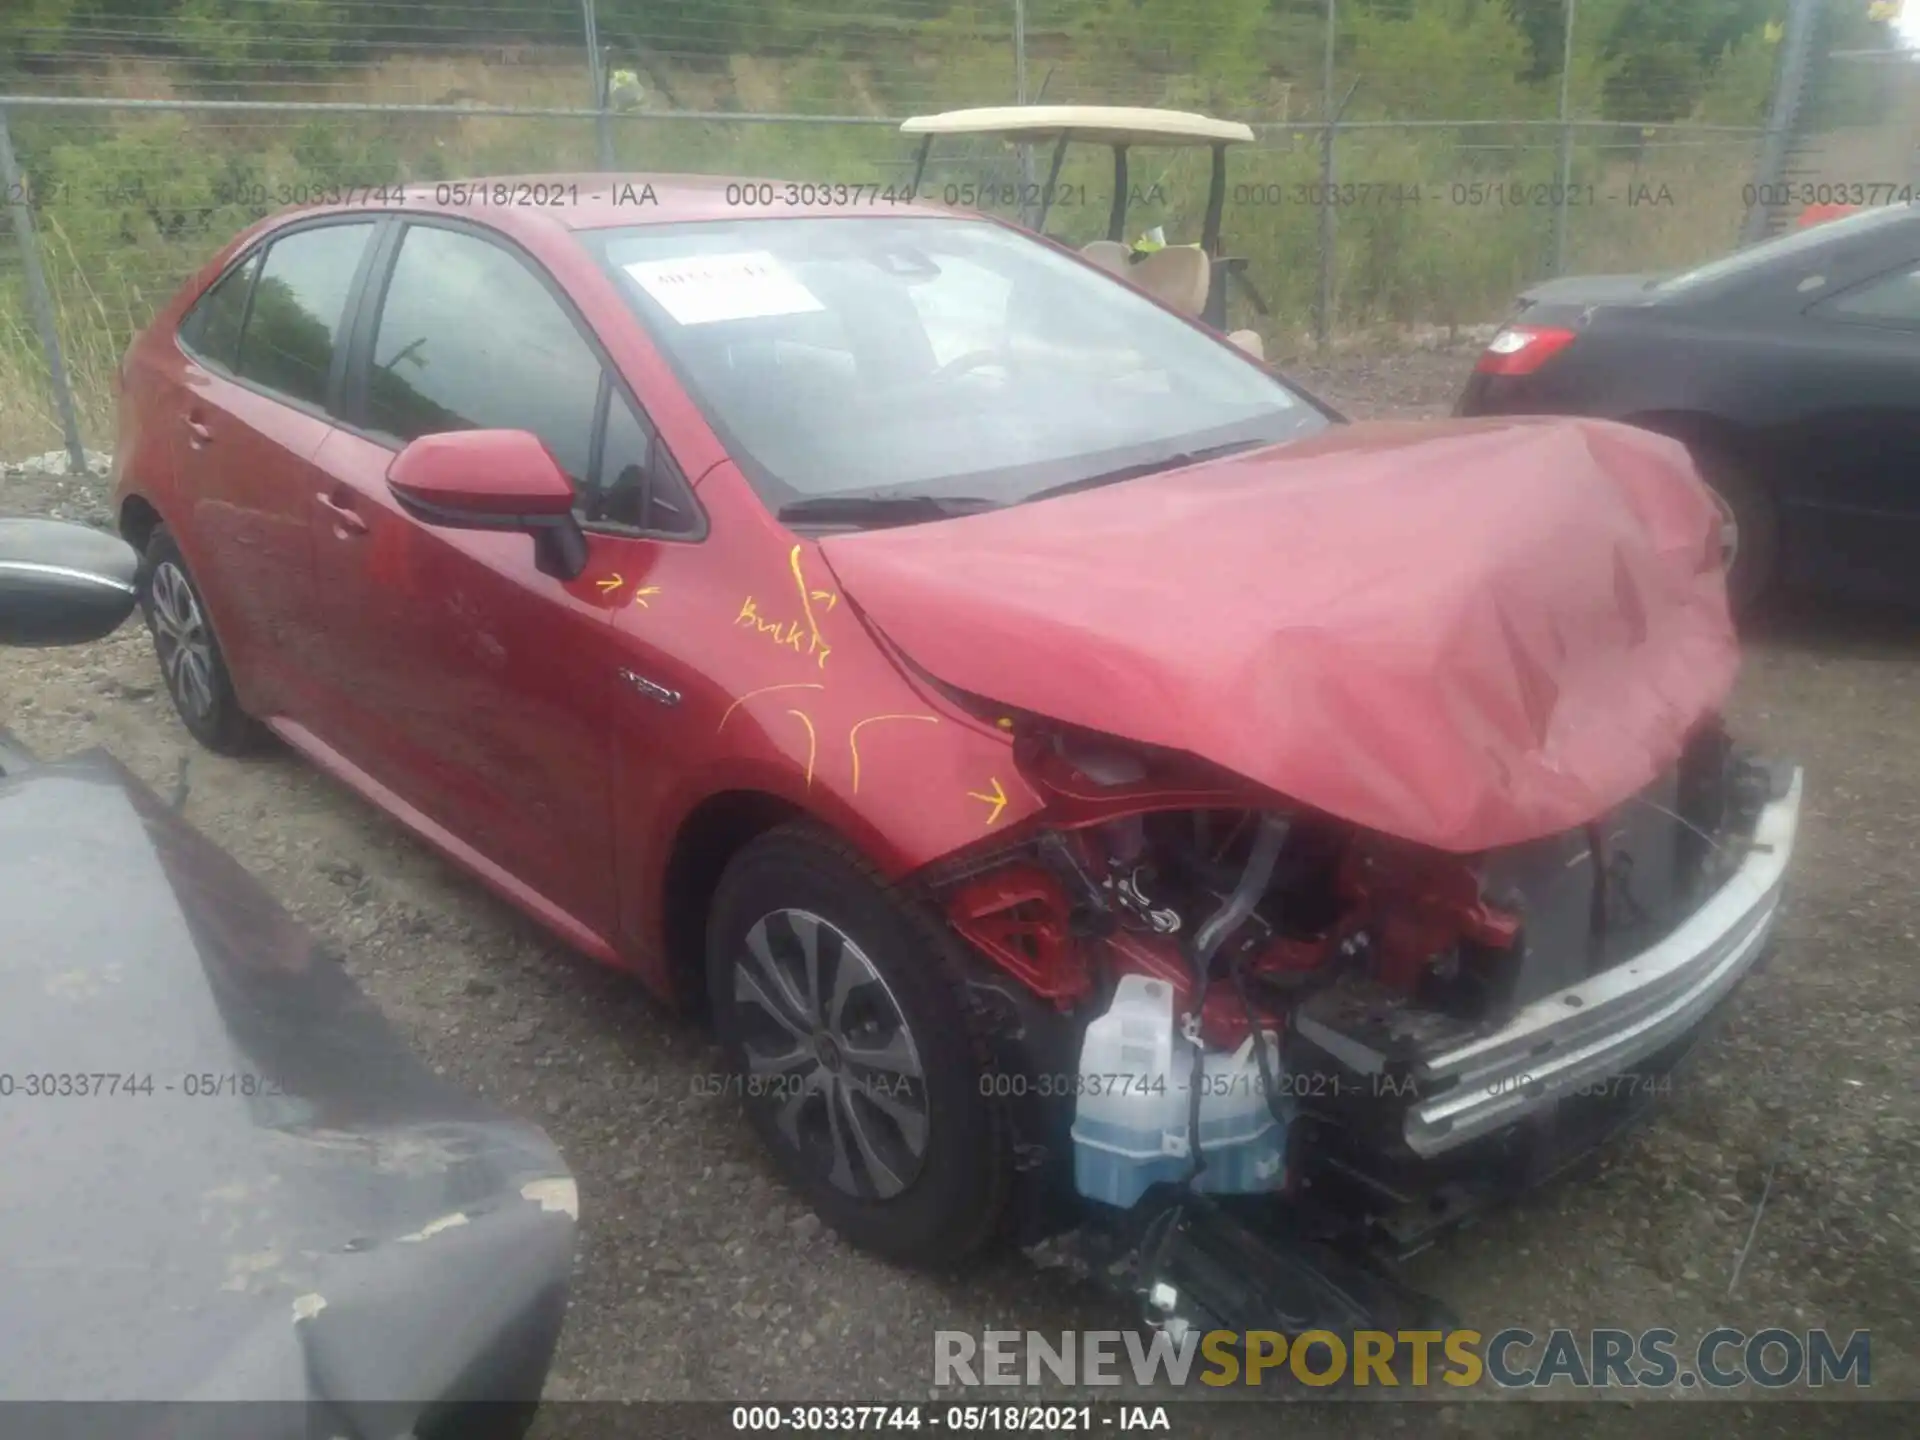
[(764, 690), (609, 584), (785, 633), (806, 603), (640, 596), (998, 799), (853, 738), (813, 742), (828, 596)]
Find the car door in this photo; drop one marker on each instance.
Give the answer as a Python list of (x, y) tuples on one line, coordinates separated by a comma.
[(265, 354), (476, 689), (1852, 485)]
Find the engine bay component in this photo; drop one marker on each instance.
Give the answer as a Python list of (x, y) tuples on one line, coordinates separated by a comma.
[(1139, 1079)]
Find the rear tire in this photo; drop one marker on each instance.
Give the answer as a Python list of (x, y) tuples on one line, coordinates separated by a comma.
[(841, 1007), (191, 660), (1752, 526)]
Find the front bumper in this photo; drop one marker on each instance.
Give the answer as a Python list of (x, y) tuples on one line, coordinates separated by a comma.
[(1611, 1022)]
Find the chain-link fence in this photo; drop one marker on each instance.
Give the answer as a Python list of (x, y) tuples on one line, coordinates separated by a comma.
[(1418, 161)]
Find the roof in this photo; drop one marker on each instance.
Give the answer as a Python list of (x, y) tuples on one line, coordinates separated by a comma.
[(1101, 124)]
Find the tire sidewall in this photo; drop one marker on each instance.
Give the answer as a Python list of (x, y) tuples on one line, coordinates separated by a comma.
[(952, 1205)]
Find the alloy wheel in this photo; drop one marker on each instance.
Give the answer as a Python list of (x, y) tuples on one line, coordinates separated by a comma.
[(827, 1048), (1729, 531), (181, 638)]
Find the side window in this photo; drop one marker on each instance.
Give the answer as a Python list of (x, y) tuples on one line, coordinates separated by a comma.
[(638, 484), (469, 339), (212, 328), (1890, 300), (299, 304)]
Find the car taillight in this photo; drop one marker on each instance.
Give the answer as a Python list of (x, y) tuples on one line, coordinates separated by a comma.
[(1523, 349)]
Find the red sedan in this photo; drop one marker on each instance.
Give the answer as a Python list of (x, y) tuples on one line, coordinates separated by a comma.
[(1033, 726)]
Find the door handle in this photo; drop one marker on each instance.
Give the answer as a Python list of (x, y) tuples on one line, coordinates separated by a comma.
[(346, 520), (197, 433)]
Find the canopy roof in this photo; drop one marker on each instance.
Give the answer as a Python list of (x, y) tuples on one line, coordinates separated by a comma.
[(1099, 124)]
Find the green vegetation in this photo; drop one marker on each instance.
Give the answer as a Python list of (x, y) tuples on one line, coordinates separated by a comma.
[(1438, 224)]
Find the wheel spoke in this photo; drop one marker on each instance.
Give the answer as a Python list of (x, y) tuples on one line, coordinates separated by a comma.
[(787, 1117), (851, 1140), (896, 1056), (849, 974), (806, 929), (911, 1123), (800, 1057), (747, 989), (760, 948)]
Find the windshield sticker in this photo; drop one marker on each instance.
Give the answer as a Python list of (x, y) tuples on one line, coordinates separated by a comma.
[(703, 289)]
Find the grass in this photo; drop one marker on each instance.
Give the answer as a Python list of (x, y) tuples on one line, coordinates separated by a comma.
[(131, 203)]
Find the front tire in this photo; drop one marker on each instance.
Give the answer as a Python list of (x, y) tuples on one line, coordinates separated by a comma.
[(191, 661), (841, 1007)]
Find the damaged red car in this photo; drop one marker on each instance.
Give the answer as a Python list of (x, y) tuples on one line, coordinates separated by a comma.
[(1093, 786)]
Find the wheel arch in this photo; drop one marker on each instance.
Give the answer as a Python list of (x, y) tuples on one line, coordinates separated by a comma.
[(138, 518), (708, 837)]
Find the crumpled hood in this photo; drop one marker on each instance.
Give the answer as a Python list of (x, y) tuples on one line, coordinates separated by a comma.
[(1466, 634)]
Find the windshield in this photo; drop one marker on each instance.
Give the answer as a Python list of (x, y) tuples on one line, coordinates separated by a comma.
[(1783, 246), (932, 357)]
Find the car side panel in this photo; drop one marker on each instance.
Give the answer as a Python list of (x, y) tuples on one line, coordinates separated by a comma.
[(470, 684), (243, 468), (782, 690)]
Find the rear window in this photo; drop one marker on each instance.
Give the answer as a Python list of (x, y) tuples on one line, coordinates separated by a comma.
[(299, 306), (212, 328), (1784, 247)]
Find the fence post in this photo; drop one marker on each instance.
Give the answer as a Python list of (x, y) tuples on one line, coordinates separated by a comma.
[(40, 300), (1323, 302), (1564, 168), (596, 71), (1783, 114)]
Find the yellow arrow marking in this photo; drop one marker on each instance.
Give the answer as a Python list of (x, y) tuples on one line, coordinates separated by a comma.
[(998, 799), (853, 738), (640, 596), (609, 584)]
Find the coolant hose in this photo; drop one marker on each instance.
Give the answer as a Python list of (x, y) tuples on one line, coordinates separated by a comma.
[(1254, 880)]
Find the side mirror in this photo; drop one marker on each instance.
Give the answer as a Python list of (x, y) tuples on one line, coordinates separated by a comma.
[(493, 480), (63, 584)]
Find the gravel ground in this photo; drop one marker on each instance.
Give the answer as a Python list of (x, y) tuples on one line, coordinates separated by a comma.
[(700, 1277)]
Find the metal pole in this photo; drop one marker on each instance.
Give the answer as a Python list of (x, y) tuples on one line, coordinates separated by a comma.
[(40, 301), (1565, 168), (1323, 305), (1783, 113), (596, 71), (1020, 98)]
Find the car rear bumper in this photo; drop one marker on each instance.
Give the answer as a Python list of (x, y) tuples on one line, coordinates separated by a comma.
[(1565, 1043)]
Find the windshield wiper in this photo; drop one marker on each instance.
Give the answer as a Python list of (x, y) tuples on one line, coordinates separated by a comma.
[(1148, 467), (882, 508)]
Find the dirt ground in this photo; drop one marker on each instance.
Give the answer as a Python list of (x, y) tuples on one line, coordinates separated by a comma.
[(701, 1277)]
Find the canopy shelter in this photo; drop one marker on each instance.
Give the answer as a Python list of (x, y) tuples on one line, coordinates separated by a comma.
[(1119, 127)]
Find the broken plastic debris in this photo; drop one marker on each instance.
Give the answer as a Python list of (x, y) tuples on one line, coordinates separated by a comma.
[(556, 1194), (445, 1222)]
